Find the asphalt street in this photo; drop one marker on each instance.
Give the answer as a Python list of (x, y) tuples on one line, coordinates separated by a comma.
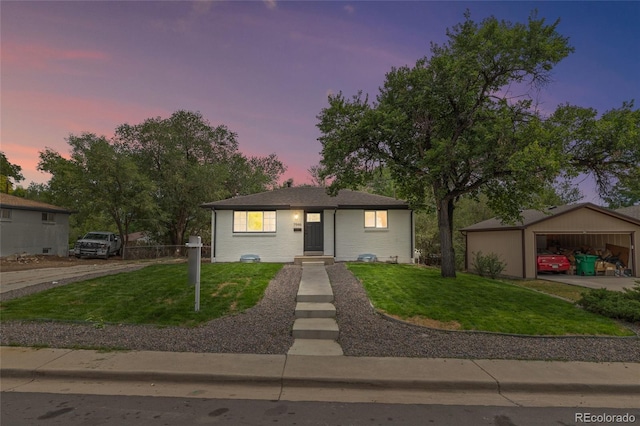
[(71, 409)]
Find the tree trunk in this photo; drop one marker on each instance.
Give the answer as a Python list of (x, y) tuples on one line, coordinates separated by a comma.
[(445, 228)]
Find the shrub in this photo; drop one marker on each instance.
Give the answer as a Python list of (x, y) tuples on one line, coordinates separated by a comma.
[(613, 304), (489, 265)]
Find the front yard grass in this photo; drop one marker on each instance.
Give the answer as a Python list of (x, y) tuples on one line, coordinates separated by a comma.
[(470, 302), (158, 295), (566, 291)]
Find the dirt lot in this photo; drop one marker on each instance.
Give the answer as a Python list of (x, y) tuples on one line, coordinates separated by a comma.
[(24, 263)]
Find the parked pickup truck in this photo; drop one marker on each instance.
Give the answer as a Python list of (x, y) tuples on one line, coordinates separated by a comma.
[(98, 244)]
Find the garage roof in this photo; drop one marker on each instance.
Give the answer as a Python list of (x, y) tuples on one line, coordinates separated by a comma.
[(530, 217), (632, 211)]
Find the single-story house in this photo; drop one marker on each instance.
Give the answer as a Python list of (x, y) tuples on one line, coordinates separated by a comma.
[(582, 226), (32, 227), (286, 223)]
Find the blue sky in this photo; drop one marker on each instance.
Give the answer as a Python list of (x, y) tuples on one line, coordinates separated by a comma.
[(263, 68)]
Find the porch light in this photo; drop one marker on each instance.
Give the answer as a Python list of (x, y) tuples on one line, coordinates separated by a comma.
[(297, 224)]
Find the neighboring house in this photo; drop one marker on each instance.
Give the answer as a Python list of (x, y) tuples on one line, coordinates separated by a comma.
[(571, 226), (138, 238), (286, 223), (32, 227)]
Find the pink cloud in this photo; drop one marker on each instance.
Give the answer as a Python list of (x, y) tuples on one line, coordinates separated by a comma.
[(41, 56), (33, 120), (26, 157)]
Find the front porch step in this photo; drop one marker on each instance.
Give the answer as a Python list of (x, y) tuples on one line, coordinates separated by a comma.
[(315, 328), (315, 310), (314, 285), (317, 347), (326, 260)]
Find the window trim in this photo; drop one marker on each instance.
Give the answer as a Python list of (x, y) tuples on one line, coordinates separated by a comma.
[(48, 217), (246, 222), (375, 218), (7, 212)]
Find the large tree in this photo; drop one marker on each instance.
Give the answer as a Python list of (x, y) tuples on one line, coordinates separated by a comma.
[(99, 180), (606, 147), (191, 162), (463, 121)]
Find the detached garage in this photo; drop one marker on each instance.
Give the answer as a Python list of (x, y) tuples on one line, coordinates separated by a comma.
[(577, 228)]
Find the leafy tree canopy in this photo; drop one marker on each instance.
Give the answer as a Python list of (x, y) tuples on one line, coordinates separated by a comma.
[(153, 176), (191, 162), (99, 180), (8, 172), (462, 121)]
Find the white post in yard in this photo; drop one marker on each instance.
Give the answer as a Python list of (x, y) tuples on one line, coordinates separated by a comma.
[(195, 253)]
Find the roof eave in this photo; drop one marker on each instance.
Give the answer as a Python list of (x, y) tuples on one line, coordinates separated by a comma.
[(37, 209), (303, 207)]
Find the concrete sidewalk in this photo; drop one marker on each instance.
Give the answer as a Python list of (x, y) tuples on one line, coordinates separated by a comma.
[(322, 378)]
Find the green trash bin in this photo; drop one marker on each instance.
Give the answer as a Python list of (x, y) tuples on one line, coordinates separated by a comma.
[(585, 264)]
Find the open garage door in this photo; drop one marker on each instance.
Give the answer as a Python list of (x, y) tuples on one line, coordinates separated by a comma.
[(614, 250)]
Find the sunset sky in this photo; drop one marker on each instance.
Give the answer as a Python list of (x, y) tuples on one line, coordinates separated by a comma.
[(264, 69)]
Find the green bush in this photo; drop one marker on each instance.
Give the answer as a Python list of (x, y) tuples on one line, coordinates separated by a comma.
[(614, 304), (487, 266)]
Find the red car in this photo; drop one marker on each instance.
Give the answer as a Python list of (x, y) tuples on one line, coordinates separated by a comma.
[(549, 262)]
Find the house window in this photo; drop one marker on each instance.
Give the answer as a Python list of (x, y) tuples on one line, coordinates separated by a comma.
[(245, 221), (48, 217), (314, 217), (375, 219), (5, 214)]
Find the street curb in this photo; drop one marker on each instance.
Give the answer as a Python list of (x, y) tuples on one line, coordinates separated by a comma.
[(444, 375), (135, 376), (426, 385)]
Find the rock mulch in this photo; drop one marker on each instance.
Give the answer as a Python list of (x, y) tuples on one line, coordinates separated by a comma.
[(266, 329), (263, 329), (364, 332)]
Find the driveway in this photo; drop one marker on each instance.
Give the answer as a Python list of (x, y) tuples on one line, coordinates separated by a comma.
[(15, 280), (610, 283)]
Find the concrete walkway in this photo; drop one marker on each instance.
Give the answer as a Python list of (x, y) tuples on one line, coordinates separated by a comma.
[(322, 378), (315, 329), (610, 283)]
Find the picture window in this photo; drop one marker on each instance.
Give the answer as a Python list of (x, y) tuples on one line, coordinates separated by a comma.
[(254, 221)]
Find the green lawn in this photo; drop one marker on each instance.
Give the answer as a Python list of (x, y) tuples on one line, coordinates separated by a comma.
[(157, 294), (566, 291), (470, 302)]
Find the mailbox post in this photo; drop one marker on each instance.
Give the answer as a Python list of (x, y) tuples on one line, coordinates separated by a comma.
[(195, 253)]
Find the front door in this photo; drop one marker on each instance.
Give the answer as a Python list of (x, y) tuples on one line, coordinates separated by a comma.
[(313, 232)]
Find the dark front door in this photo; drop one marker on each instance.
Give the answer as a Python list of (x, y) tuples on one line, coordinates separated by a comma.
[(313, 232)]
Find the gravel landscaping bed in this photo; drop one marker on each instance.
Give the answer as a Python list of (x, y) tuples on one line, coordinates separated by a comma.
[(266, 329), (263, 329), (364, 332)]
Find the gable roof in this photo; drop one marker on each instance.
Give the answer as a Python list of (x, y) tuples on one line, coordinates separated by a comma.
[(18, 203), (632, 211), (530, 217), (307, 197)]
